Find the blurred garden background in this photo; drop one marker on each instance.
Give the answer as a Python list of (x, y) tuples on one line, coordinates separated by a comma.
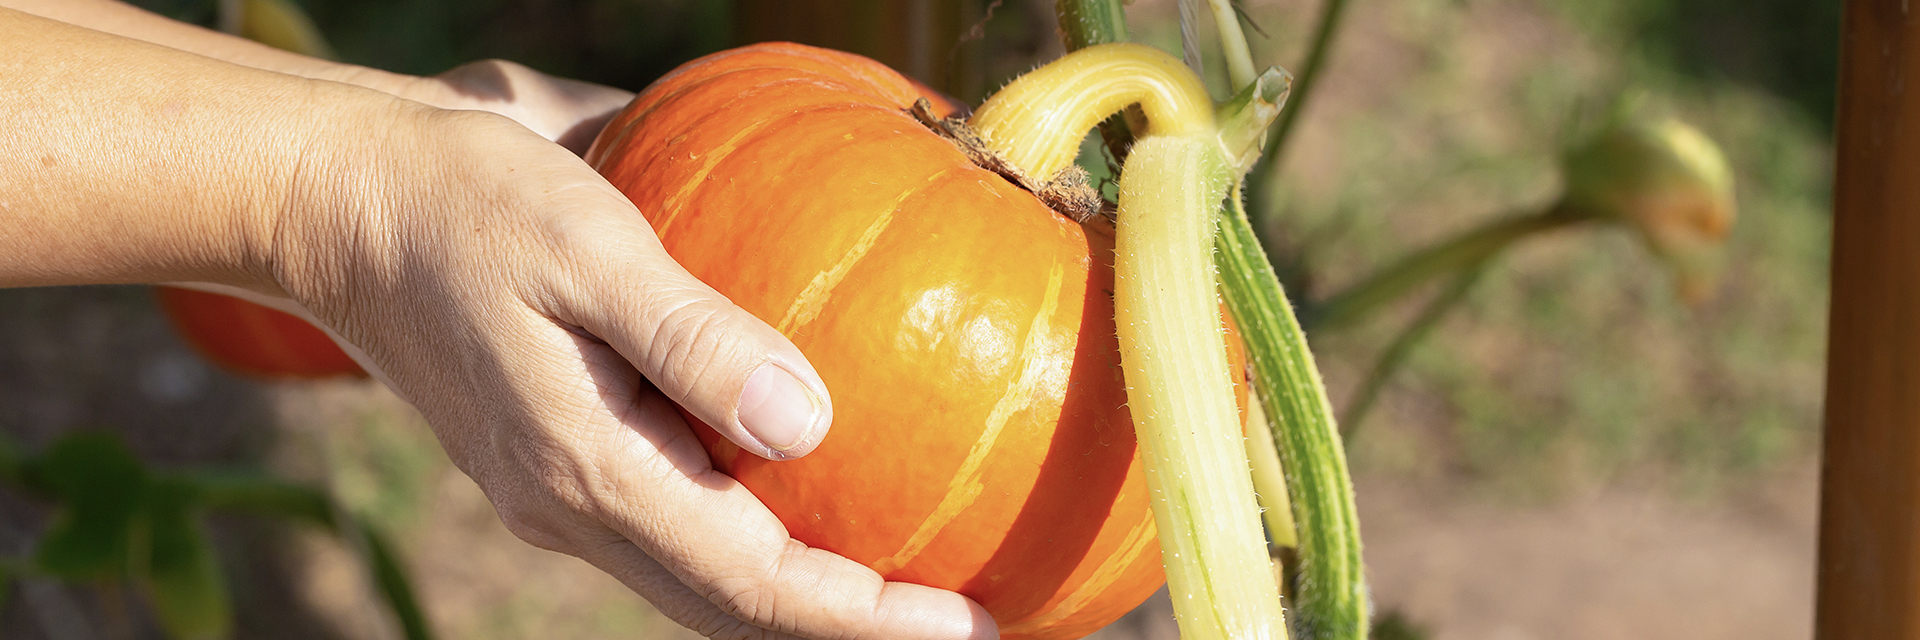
[(1574, 452)]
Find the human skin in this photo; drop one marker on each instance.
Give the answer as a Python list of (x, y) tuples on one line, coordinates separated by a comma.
[(488, 276)]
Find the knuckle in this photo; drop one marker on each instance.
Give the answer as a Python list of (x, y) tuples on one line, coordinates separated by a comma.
[(534, 528), (721, 626), (753, 603), (763, 600), (557, 477), (691, 339)]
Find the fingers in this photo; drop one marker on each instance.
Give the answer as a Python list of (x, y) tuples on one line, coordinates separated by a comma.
[(726, 550), (647, 577), (720, 363), (626, 487)]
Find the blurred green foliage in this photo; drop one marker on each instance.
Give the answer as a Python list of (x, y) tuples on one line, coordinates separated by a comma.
[(621, 43), (117, 520), (1790, 48)]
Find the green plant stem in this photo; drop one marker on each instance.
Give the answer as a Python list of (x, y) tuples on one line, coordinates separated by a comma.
[(251, 493), (1233, 42), (1332, 602), (1269, 477), (1396, 352), (1331, 15), (1349, 306), (1084, 23), (391, 579)]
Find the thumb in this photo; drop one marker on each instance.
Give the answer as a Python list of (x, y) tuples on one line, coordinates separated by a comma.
[(719, 362)]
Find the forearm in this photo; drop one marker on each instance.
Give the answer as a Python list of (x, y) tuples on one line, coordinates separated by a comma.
[(121, 19), (565, 111), (142, 163)]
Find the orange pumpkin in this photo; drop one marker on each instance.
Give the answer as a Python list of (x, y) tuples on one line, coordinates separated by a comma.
[(247, 338), (980, 441)]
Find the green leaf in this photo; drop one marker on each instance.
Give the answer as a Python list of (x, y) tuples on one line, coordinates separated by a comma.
[(98, 484), (180, 575), (10, 568), (256, 494), (13, 461)]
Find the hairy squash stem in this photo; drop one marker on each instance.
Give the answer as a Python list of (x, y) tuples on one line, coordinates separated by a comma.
[(1179, 386), (1036, 122), (1330, 599), (1326, 577), (1084, 23)]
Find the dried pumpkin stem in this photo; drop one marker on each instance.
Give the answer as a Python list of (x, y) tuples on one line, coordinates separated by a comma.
[(1172, 350)]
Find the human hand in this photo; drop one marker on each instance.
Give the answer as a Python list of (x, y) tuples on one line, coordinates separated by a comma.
[(525, 307), (485, 274)]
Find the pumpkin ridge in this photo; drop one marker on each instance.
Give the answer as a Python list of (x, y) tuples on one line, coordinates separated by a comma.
[(869, 72), (653, 133), (747, 136), (966, 485), (807, 304), (1141, 536), (628, 120)]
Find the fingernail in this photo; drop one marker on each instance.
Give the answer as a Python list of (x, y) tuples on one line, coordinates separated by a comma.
[(777, 408)]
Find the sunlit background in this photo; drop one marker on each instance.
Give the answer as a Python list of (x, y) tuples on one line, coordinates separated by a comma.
[(1574, 452)]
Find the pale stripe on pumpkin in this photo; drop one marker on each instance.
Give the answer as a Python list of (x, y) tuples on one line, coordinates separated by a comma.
[(966, 485), (674, 204), (1137, 541), (806, 306)]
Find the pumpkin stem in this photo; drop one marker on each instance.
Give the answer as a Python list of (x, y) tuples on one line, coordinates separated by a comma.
[(1069, 192)]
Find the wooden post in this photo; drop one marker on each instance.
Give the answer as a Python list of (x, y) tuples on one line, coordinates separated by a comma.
[(1869, 574), (920, 38)]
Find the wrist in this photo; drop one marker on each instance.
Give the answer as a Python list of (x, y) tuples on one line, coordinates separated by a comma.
[(339, 153)]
